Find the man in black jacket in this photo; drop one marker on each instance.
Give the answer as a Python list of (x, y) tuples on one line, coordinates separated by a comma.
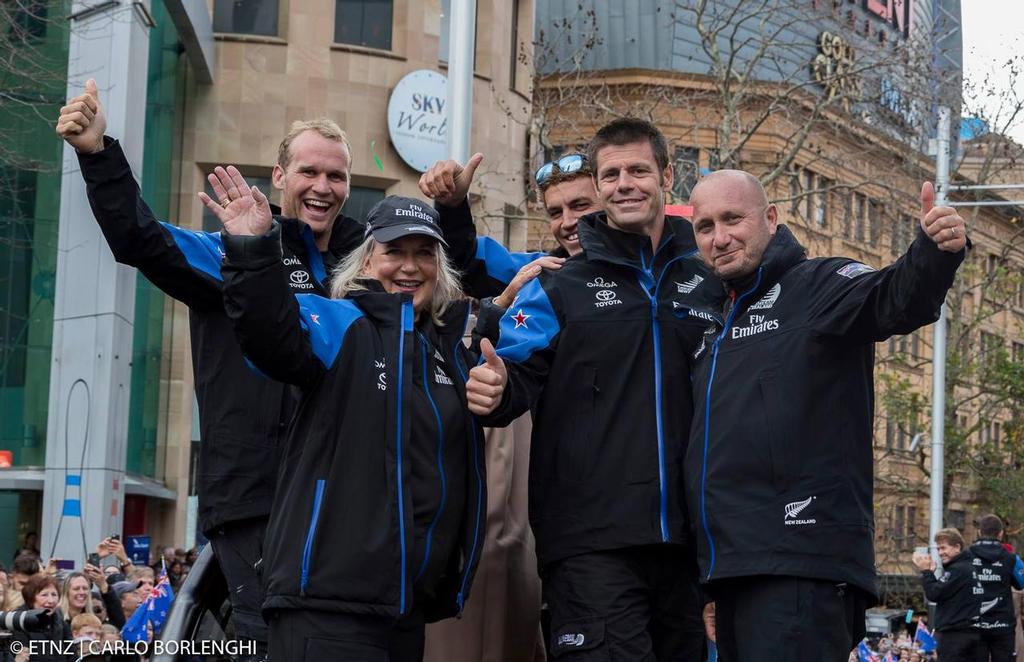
[(999, 570), (957, 594), (779, 465), (601, 348)]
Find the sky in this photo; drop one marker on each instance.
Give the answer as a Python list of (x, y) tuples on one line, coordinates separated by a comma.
[(993, 31)]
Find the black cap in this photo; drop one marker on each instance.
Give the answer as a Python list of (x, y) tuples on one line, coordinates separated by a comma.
[(395, 217)]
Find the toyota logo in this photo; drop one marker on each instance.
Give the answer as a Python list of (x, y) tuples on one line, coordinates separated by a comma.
[(299, 277), (605, 295)]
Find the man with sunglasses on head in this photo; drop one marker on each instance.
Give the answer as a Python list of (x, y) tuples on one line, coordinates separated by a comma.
[(601, 348)]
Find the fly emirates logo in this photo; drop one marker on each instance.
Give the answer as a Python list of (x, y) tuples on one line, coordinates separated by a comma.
[(758, 324)]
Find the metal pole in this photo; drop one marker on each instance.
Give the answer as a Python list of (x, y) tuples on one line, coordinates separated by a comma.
[(939, 353), (461, 49)]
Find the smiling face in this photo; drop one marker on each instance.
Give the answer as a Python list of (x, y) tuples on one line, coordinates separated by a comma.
[(46, 599), (406, 265), (565, 203), (315, 183), (947, 552), (732, 222), (632, 188), (78, 593)]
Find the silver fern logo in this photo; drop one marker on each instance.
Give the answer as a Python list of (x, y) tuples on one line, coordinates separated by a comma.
[(794, 509), (690, 285), (768, 300)]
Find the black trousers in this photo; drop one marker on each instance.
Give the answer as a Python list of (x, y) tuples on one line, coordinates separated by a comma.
[(325, 636), (959, 645), (998, 645), (638, 604), (787, 619), (238, 547)]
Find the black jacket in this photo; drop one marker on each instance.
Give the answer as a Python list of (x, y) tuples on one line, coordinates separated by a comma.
[(242, 415), (957, 594), (999, 570), (779, 470), (58, 630), (602, 347), (340, 536)]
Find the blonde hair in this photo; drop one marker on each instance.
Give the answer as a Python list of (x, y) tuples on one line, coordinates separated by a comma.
[(324, 126), (348, 277), (65, 592), (84, 621)]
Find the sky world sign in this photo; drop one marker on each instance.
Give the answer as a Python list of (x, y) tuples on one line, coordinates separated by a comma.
[(418, 118)]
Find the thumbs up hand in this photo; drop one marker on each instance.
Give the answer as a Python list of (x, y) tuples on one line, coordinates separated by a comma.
[(82, 122), (942, 224), (486, 382), (448, 181)]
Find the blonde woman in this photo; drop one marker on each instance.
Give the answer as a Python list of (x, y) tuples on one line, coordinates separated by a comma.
[(377, 525)]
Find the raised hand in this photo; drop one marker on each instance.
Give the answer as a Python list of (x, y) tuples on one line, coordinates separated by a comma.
[(942, 224), (525, 275), (486, 381), (447, 182), (82, 122), (242, 209)]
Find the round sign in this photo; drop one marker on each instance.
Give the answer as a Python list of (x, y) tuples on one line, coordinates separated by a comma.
[(418, 118)]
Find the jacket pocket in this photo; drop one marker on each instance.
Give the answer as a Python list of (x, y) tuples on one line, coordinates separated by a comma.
[(307, 550), (781, 458), (578, 636), (575, 458)]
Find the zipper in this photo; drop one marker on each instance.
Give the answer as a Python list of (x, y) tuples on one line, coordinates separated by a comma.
[(307, 550), (707, 414), (406, 326), (313, 258), (659, 422), (440, 459), (460, 599)]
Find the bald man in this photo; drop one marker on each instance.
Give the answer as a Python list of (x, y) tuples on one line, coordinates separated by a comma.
[(779, 465)]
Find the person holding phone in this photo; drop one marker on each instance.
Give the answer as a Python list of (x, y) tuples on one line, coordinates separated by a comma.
[(377, 526)]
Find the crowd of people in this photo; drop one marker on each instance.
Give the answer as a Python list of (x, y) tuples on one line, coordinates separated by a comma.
[(680, 378), (88, 600)]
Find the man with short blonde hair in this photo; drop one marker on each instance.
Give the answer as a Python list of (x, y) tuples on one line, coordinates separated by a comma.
[(326, 127)]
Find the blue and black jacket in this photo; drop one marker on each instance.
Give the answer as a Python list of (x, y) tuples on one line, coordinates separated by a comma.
[(956, 593), (341, 533), (999, 570), (779, 470), (242, 415), (602, 347)]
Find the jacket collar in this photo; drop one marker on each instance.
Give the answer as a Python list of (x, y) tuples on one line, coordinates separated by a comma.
[(341, 241), (602, 242), (385, 308), (781, 254)]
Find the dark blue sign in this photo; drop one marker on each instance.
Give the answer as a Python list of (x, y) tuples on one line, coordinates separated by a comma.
[(137, 549)]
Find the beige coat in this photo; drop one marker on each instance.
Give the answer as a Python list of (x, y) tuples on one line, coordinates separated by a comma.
[(501, 622)]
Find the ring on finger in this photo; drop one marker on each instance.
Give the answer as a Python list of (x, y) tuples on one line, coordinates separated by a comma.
[(225, 201)]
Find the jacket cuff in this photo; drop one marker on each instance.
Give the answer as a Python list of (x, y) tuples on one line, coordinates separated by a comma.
[(107, 164), (246, 252)]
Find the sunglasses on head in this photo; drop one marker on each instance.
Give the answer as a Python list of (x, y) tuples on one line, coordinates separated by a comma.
[(568, 163)]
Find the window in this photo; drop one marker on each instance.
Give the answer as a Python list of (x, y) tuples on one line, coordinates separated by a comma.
[(811, 192), (874, 221), (990, 433), (17, 227), (28, 20), (910, 537), (685, 168), (1018, 352), (245, 17), (210, 222), (514, 54), (1018, 294), (364, 23), (990, 346), (902, 234), (956, 519), (360, 200)]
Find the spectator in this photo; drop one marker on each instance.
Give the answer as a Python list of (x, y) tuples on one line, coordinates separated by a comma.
[(30, 545), (41, 592), (999, 570), (145, 577), (192, 556), (129, 595), (75, 596), (957, 596), (25, 567), (109, 602), (86, 626)]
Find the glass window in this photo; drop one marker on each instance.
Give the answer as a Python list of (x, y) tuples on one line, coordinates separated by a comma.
[(360, 200), (245, 17), (364, 23), (685, 167)]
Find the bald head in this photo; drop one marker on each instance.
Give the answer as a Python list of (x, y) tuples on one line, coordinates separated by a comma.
[(740, 181), (732, 222)]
